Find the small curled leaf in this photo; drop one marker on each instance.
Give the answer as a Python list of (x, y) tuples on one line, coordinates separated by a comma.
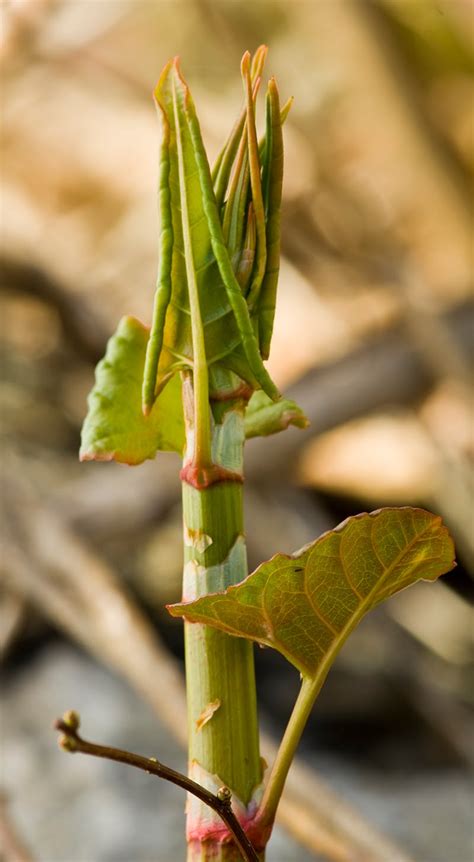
[(115, 428), (264, 416)]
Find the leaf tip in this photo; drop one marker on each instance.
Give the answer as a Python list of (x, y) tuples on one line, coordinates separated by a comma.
[(245, 64), (88, 455), (274, 392), (176, 62), (299, 420), (183, 83), (259, 57), (161, 80), (286, 109), (258, 62)]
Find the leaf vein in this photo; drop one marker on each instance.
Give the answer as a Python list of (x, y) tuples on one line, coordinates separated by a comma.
[(315, 607), (345, 572)]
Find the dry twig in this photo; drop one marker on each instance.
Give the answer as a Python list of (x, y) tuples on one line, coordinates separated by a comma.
[(221, 802)]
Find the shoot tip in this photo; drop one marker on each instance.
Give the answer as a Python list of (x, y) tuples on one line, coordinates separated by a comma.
[(245, 64)]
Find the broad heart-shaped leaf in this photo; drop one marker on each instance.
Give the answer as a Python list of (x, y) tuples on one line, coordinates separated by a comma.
[(306, 605), (264, 416), (115, 427), (197, 289)]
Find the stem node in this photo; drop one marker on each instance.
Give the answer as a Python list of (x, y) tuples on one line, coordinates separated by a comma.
[(202, 477)]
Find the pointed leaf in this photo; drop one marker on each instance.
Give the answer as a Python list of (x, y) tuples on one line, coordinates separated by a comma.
[(199, 251), (256, 186), (306, 605), (223, 165), (237, 198), (273, 183), (164, 282), (249, 342), (264, 416), (115, 427)]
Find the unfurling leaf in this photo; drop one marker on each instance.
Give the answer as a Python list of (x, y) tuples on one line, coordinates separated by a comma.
[(264, 416), (197, 284), (217, 277), (306, 605), (272, 189), (115, 427)]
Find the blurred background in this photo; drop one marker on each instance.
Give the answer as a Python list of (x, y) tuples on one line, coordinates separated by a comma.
[(371, 338)]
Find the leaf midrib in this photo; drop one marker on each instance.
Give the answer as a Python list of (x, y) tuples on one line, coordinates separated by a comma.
[(364, 606), (200, 383)]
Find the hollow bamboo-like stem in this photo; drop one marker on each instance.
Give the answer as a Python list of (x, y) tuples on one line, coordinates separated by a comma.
[(220, 681)]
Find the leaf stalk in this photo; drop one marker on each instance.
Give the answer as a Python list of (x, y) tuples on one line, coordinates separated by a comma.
[(276, 781)]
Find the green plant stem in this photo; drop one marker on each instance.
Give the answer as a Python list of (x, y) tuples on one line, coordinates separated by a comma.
[(274, 788), (220, 680), (310, 688)]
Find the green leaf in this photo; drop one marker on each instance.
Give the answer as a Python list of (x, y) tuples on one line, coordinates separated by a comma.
[(306, 605), (164, 281), (197, 257), (273, 184), (264, 416), (115, 427), (256, 186), (223, 164)]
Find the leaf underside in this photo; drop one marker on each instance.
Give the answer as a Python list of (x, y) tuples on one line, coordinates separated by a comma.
[(306, 605)]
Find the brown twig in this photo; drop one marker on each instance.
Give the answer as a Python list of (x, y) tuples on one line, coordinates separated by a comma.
[(221, 802)]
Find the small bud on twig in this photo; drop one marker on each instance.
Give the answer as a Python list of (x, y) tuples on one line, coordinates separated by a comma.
[(224, 794), (67, 743), (72, 719)]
